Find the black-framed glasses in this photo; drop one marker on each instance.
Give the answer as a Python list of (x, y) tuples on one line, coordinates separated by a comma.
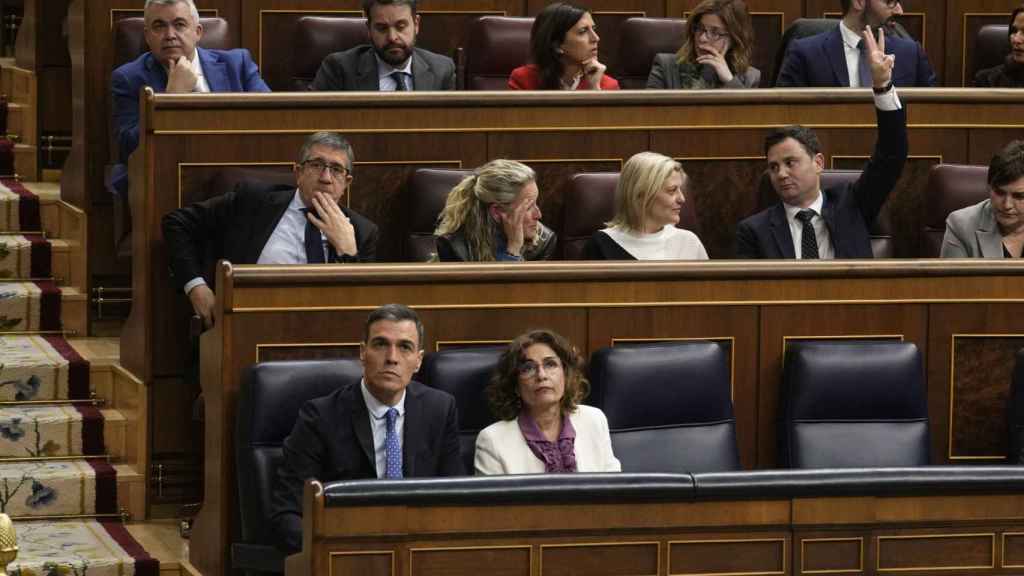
[(891, 3), (317, 166), (713, 34)]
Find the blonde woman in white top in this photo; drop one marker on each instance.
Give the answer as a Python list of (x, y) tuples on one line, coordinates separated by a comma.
[(648, 202)]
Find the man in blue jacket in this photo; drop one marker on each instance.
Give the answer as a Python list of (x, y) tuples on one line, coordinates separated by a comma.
[(837, 58), (174, 64)]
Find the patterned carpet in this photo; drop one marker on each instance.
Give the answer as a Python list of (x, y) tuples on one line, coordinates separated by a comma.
[(56, 478)]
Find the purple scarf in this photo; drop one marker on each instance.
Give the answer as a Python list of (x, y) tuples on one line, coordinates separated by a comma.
[(558, 456)]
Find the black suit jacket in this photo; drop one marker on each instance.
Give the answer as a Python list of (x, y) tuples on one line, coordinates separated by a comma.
[(236, 226), (356, 69), (848, 210), (332, 440)]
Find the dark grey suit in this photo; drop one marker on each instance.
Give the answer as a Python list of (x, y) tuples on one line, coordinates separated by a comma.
[(668, 73), (332, 440), (356, 69), (972, 232)]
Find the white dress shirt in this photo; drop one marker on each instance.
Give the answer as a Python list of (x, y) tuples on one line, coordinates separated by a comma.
[(197, 69), (796, 229), (850, 40), (379, 426), (387, 81)]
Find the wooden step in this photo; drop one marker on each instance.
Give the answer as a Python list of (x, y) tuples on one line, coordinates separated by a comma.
[(19, 84), (26, 161), (163, 541), (131, 490)]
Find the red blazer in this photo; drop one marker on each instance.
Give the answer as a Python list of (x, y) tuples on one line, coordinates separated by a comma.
[(528, 78)]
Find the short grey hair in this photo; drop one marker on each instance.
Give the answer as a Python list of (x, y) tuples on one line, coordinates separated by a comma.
[(331, 140), (191, 7)]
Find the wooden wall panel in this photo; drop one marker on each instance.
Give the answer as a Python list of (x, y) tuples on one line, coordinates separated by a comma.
[(963, 20)]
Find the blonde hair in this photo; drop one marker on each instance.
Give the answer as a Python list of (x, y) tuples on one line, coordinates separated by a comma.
[(466, 210), (642, 177)]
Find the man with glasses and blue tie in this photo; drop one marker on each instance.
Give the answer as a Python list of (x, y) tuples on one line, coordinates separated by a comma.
[(391, 61), (388, 426), (280, 224), (836, 58)]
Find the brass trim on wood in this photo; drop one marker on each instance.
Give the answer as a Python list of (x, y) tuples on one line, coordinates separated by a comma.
[(952, 393), (878, 552), (785, 556), (439, 343), (305, 345), (656, 544), (963, 40), (332, 554), (529, 550), (860, 544), (1002, 550)]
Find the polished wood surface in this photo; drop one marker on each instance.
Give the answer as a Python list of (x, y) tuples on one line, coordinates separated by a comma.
[(975, 534), (759, 306)]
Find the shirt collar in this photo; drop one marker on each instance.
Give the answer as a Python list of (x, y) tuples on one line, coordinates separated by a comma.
[(296, 203), (384, 69), (377, 408), (850, 37), (819, 202)]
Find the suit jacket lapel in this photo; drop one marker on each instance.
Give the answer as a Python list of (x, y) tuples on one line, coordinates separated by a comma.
[(366, 73), (828, 212), (422, 74), (214, 70), (156, 75), (361, 426), (277, 201), (837, 57), (410, 431), (780, 231), (989, 238)]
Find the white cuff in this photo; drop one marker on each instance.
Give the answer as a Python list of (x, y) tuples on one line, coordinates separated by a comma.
[(197, 281), (888, 100)]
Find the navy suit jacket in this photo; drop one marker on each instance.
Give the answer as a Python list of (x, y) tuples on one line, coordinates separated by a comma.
[(225, 71), (332, 440), (848, 210), (819, 61)]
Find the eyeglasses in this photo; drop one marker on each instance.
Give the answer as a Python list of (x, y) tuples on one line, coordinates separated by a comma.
[(713, 34), (529, 368), (317, 166), (891, 3)]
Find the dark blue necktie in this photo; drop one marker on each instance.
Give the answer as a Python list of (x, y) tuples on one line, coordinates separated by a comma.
[(392, 449), (864, 66), (400, 85), (314, 241)]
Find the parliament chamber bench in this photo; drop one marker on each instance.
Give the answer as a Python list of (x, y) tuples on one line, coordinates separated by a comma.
[(950, 519), (963, 315)]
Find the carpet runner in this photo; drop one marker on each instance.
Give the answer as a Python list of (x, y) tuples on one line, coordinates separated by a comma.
[(55, 478)]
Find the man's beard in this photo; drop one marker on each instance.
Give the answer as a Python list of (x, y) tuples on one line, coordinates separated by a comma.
[(871, 15), (386, 56)]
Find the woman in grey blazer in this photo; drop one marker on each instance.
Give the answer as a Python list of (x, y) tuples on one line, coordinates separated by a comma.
[(716, 51), (992, 228)]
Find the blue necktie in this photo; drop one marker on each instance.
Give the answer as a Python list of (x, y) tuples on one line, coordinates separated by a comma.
[(393, 452), (400, 85), (864, 66), (313, 240)]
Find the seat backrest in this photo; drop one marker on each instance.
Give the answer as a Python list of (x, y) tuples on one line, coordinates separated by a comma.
[(800, 28), (950, 187), (426, 192), (990, 50), (1015, 414), (464, 373), (668, 405), (639, 40), (315, 38), (592, 198), (130, 42), (269, 400), (853, 404), (496, 46)]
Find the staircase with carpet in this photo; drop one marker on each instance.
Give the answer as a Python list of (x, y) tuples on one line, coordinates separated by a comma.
[(72, 421)]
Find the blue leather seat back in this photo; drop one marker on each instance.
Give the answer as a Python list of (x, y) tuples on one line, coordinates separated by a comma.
[(464, 373), (853, 404), (668, 405)]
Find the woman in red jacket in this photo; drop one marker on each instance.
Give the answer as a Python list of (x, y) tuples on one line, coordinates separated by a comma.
[(563, 47)]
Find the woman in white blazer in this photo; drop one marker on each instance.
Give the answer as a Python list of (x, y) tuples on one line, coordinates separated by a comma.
[(536, 392)]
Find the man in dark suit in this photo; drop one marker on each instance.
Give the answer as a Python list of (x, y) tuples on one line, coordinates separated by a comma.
[(388, 426), (837, 58), (259, 224), (391, 62), (174, 64), (810, 224)]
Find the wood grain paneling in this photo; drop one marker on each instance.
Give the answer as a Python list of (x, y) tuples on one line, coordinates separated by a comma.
[(738, 556), (830, 555), (468, 561), (633, 558), (963, 20), (936, 552)]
